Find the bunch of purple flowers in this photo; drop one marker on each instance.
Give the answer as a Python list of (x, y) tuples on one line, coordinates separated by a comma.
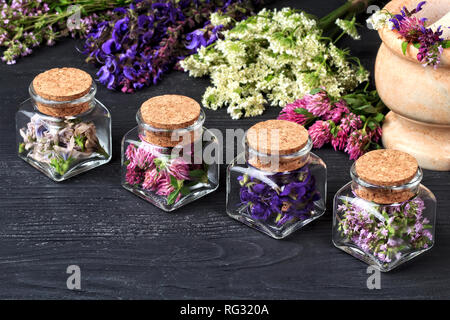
[(293, 200), (26, 24), (146, 39), (351, 123), (414, 31), (402, 228)]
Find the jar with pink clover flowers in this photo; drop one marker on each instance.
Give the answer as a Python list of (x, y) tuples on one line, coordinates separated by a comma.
[(63, 130), (277, 186), (384, 216), (164, 158)]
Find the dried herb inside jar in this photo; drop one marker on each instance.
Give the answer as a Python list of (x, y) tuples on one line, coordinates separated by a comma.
[(170, 177), (385, 231), (284, 197), (60, 145)]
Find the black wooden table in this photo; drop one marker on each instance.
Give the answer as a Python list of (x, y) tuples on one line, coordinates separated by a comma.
[(127, 248)]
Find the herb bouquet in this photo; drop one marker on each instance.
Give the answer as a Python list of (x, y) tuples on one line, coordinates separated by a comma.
[(141, 42), (274, 58), (26, 24)]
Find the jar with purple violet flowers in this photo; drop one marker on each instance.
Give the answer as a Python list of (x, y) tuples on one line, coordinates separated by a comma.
[(384, 216), (277, 185), (62, 130), (170, 159)]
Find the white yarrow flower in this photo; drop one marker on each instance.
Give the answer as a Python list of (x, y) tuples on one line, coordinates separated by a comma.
[(217, 19), (349, 27), (380, 19)]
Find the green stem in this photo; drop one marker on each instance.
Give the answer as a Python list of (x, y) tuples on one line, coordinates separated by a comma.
[(87, 7), (350, 6)]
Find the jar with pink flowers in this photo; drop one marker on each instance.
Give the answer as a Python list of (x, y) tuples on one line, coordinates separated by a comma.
[(170, 159)]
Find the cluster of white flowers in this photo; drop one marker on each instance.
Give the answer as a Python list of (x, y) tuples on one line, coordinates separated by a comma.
[(380, 19), (218, 19), (272, 58), (349, 27)]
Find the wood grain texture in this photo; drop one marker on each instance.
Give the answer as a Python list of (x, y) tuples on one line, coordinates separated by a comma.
[(127, 248)]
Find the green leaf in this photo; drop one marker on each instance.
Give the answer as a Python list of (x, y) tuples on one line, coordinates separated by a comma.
[(185, 191), (196, 174), (316, 91), (334, 131), (372, 125), (60, 165), (391, 230), (367, 108), (446, 44), (79, 141), (211, 99), (172, 197), (21, 147), (102, 152), (404, 47), (379, 117), (304, 112), (416, 45), (174, 182)]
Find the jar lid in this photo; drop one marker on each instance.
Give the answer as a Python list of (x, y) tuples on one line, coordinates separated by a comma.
[(170, 112), (277, 137), (62, 84), (386, 167)]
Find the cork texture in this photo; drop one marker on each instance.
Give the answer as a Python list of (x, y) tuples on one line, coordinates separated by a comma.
[(382, 196), (278, 137), (166, 140), (281, 166), (386, 167), (170, 112), (63, 110), (62, 84)]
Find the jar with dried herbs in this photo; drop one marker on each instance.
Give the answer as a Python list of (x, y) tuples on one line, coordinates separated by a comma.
[(164, 158), (277, 185), (62, 129), (384, 216)]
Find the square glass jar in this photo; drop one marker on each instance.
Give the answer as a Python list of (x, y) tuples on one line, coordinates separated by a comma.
[(65, 146), (170, 177), (384, 235), (276, 203)]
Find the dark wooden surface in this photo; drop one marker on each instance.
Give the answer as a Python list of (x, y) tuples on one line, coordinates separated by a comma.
[(127, 248)]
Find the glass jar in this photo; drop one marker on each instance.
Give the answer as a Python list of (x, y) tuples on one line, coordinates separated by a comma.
[(63, 135), (277, 193), (385, 222), (170, 167)]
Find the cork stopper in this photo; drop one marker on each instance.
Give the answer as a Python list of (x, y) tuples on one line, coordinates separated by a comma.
[(277, 139), (170, 112), (62, 84), (386, 168)]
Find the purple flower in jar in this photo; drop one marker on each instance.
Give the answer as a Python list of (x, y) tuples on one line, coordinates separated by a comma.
[(294, 199)]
